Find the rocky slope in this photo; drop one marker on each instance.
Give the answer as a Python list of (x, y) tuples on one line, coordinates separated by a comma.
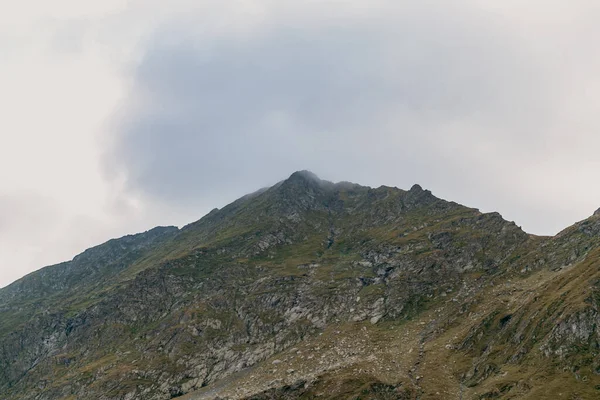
[(311, 289)]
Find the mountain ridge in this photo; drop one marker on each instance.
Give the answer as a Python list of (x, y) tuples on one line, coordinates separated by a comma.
[(298, 175)]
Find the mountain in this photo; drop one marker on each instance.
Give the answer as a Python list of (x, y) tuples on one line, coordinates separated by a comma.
[(313, 289)]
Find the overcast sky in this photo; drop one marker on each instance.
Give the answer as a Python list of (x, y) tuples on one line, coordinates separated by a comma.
[(121, 115)]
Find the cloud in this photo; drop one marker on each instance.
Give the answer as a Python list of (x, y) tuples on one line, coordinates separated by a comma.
[(470, 101), (58, 90)]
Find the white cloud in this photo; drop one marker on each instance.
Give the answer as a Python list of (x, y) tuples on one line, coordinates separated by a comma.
[(55, 106)]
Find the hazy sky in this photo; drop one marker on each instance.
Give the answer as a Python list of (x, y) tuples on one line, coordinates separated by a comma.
[(121, 115)]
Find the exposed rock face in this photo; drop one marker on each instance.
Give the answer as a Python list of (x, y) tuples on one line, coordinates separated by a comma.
[(167, 312)]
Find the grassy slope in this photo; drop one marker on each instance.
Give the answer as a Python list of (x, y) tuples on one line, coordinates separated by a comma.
[(431, 356)]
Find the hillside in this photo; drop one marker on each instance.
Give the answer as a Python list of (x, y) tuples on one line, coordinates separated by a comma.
[(312, 289)]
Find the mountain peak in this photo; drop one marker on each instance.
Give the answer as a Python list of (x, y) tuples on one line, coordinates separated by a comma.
[(597, 212), (304, 175), (306, 180)]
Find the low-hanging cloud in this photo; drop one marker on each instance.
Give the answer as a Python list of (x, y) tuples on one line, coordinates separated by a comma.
[(469, 101)]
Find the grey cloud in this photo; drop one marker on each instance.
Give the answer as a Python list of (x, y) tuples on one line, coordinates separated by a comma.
[(447, 98)]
